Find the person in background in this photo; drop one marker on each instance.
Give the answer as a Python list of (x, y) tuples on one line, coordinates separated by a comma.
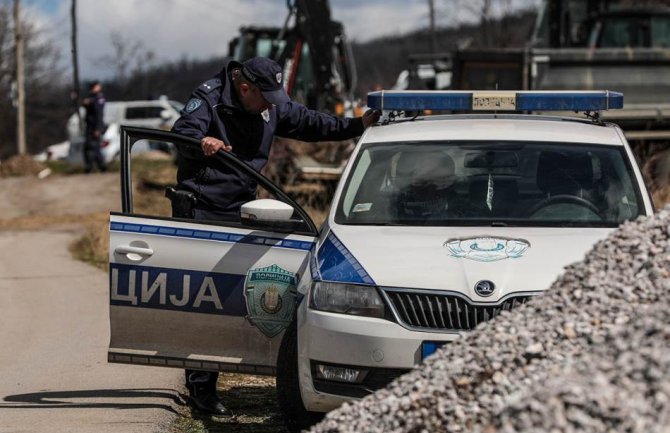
[(94, 104)]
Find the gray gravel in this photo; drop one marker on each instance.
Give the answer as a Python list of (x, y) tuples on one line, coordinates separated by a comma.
[(590, 355)]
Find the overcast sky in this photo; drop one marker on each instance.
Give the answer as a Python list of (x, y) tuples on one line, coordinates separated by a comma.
[(195, 29)]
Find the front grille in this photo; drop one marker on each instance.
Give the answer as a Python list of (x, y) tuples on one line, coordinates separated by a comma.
[(441, 312)]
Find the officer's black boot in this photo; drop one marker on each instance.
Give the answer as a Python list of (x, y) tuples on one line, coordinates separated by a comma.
[(203, 396)]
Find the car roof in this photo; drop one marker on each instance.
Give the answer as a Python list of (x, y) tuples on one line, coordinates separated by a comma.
[(496, 127)]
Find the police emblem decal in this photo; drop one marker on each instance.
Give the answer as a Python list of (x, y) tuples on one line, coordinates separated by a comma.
[(193, 105), (278, 77), (487, 249), (270, 298)]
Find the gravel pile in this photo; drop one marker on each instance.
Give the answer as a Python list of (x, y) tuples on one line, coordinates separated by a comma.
[(590, 355)]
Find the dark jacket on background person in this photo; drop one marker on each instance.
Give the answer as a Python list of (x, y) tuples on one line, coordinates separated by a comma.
[(94, 112), (215, 111)]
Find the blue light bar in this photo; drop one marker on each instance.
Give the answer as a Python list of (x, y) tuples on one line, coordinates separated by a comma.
[(495, 100)]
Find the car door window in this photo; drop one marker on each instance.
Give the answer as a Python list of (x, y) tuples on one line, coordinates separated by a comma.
[(153, 180)]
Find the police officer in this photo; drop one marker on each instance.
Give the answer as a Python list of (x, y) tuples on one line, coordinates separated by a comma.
[(95, 106), (240, 110)]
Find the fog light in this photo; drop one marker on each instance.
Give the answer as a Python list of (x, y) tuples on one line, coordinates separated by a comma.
[(339, 374)]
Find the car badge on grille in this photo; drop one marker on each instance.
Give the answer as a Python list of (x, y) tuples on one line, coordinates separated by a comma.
[(486, 249), (485, 288)]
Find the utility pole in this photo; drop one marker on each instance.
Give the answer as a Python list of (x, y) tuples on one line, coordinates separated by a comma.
[(20, 84), (75, 64), (433, 40)]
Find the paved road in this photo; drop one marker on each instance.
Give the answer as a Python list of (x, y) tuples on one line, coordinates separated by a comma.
[(54, 331)]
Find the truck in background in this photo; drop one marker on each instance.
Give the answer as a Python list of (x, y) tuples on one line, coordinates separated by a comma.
[(617, 45), (582, 45)]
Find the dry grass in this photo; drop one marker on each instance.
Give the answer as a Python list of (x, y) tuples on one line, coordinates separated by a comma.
[(20, 165), (93, 246), (661, 197)]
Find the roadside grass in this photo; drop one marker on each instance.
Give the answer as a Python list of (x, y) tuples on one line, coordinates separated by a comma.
[(93, 246), (65, 168)]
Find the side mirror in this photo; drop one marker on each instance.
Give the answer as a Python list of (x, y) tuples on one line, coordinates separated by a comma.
[(269, 214)]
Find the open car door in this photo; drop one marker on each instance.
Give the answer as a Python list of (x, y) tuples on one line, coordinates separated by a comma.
[(198, 294)]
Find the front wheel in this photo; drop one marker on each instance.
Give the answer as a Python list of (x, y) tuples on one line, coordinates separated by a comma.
[(296, 417)]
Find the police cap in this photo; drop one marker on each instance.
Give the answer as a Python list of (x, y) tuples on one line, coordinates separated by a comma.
[(266, 74)]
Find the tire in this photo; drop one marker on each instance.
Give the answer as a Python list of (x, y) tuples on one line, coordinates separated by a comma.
[(296, 417)]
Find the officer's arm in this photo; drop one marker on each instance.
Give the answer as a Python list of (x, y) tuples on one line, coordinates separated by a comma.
[(298, 122), (193, 122)]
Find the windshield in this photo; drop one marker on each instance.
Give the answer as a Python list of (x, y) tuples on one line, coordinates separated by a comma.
[(616, 32), (504, 183)]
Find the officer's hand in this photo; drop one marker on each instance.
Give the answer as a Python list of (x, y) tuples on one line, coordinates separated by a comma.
[(96, 133), (371, 117), (211, 145)]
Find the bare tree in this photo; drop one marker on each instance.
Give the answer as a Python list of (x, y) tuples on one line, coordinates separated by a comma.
[(20, 101), (126, 55), (493, 16), (44, 75), (431, 12), (76, 87)]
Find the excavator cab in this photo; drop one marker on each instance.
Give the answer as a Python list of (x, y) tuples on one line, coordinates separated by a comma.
[(318, 65)]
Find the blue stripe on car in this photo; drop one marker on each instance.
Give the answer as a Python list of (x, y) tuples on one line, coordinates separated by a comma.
[(211, 235), (336, 263)]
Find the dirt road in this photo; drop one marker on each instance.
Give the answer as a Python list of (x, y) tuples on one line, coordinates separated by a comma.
[(59, 195), (54, 325)]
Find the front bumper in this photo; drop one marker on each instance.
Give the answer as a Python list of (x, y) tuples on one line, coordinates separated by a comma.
[(383, 348)]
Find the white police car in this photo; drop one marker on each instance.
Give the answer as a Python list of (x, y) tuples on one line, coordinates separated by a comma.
[(438, 223)]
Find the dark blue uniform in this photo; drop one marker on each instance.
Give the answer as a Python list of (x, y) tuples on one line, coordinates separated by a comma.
[(94, 122), (214, 111)]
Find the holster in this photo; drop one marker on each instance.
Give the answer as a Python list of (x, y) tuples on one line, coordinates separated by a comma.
[(183, 202)]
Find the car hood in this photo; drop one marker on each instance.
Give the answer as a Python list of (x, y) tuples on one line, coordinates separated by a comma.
[(519, 259)]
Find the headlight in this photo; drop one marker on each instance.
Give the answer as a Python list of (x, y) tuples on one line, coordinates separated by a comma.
[(347, 299)]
